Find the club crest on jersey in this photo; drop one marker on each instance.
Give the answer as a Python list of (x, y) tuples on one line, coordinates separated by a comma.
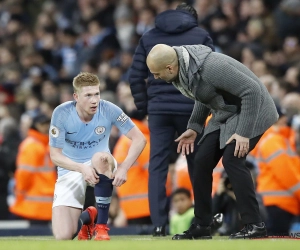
[(99, 130), (54, 131)]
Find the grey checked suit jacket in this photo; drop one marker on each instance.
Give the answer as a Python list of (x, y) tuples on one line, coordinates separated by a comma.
[(238, 101)]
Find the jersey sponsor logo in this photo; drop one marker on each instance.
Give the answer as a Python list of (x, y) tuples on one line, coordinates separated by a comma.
[(99, 130), (122, 118), (54, 131), (86, 144)]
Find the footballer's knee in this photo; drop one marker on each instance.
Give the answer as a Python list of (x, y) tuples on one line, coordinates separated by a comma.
[(103, 163)]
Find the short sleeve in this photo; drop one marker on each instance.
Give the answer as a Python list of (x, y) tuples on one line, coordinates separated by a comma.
[(57, 127), (119, 118)]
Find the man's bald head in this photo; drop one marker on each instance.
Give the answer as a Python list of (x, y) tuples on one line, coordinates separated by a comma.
[(162, 62), (161, 55)]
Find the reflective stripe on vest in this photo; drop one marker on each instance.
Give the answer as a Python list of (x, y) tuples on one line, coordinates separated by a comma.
[(40, 169), (287, 151), (276, 193), (37, 198), (134, 197), (288, 192), (271, 157), (295, 188)]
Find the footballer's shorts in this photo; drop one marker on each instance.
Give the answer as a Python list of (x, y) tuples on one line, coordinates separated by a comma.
[(70, 189)]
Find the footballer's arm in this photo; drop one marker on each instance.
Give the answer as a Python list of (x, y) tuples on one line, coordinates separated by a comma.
[(138, 143), (63, 161)]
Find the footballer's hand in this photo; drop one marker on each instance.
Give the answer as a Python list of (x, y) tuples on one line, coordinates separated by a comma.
[(241, 145), (89, 174), (186, 142), (120, 177)]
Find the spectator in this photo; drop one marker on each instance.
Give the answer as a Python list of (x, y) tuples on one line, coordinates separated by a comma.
[(184, 211), (221, 32), (281, 193), (250, 53), (7, 61), (224, 201), (68, 53), (145, 21), (292, 76), (35, 175), (124, 25), (291, 104), (182, 204), (9, 142), (291, 49), (287, 18), (49, 93), (134, 193), (101, 42)]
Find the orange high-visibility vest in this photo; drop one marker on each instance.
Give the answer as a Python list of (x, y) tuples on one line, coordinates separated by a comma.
[(133, 194), (279, 171), (35, 178)]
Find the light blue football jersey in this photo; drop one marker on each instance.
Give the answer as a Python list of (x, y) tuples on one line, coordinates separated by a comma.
[(80, 141)]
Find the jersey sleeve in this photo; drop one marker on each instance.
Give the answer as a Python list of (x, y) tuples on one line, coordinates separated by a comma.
[(57, 129), (119, 118)]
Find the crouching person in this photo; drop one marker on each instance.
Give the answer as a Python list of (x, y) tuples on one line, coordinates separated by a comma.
[(79, 136)]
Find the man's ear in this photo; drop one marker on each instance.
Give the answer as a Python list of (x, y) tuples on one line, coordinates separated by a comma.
[(75, 95)]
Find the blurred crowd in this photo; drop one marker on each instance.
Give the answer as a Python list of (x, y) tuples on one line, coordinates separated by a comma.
[(44, 44)]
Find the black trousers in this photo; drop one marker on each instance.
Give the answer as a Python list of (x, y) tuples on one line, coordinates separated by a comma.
[(162, 134), (207, 157)]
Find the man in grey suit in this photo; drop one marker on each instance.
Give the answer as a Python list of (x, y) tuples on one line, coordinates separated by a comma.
[(242, 110)]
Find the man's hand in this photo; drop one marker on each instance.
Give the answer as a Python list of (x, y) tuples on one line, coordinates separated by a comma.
[(241, 145), (89, 174), (120, 177), (186, 142)]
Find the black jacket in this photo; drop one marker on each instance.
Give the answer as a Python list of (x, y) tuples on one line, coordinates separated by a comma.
[(174, 28)]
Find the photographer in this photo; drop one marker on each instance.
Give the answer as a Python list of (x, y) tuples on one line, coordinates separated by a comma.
[(224, 201)]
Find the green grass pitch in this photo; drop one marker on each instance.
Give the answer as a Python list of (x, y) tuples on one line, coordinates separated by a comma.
[(140, 242)]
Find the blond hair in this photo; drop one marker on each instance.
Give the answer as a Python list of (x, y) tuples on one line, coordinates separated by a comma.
[(85, 79)]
